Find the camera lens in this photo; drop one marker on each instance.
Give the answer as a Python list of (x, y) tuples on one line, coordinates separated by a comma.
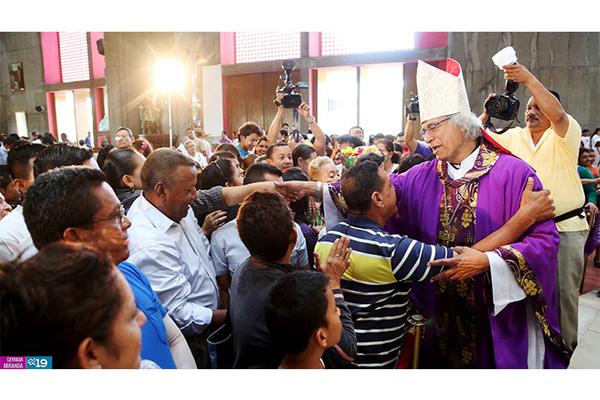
[(496, 106)]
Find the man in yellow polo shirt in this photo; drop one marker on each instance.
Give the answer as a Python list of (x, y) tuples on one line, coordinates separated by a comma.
[(550, 144)]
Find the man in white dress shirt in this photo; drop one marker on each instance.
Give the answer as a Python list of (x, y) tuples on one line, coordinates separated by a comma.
[(167, 244), (15, 240), (27, 163)]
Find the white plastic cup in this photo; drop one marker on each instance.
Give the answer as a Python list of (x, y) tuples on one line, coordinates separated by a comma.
[(506, 56)]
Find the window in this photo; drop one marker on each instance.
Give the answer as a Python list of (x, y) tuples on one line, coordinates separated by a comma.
[(356, 42), (381, 100), (65, 113), (21, 119), (74, 61), (264, 46), (338, 100), (375, 101)]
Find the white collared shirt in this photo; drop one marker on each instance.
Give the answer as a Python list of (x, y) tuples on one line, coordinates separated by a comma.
[(229, 252), (465, 165), (175, 258), (15, 240)]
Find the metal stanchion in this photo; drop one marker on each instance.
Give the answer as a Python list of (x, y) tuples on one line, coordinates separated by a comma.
[(418, 322)]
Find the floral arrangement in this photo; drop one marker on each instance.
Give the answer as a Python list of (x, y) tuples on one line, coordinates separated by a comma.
[(351, 155)]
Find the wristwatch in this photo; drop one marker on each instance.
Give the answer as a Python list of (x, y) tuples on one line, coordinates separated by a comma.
[(277, 103)]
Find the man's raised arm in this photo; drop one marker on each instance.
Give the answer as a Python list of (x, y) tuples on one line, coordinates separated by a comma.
[(410, 131), (275, 126), (320, 140), (546, 101)]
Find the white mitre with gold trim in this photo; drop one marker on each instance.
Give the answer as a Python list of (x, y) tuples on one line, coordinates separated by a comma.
[(441, 92)]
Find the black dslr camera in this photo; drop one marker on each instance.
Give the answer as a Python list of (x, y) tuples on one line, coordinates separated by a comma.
[(292, 99), (504, 107), (412, 105)]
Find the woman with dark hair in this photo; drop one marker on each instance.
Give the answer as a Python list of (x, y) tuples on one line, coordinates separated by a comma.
[(230, 149), (70, 302), (302, 155), (123, 169), (48, 139), (221, 172), (143, 146), (588, 180), (586, 160), (302, 212), (103, 153), (409, 161), (261, 146), (391, 159)]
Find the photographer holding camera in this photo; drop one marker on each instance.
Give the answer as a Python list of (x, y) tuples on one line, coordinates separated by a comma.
[(303, 110), (412, 139), (550, 143)]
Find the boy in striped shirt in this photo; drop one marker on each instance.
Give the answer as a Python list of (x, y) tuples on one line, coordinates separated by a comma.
[(383, 266)]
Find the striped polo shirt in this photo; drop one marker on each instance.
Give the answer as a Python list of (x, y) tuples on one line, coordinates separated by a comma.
[(377, 284)]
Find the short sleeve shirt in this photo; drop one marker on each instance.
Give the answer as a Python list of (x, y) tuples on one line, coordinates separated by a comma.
[(555, 161)]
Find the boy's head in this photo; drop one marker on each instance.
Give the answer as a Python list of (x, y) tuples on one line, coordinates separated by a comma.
[(249, 133), (301, 312)]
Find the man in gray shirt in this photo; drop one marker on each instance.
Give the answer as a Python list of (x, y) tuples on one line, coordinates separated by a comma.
[(227, 249)]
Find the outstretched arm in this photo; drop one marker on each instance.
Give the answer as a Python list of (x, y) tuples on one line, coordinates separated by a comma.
[(590, 181), (236, 194), (535, 207)]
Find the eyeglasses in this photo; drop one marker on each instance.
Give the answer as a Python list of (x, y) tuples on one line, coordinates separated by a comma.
[(433, 127), (118, 217)]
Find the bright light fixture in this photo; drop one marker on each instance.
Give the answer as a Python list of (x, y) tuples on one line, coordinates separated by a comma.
[(169, 75)]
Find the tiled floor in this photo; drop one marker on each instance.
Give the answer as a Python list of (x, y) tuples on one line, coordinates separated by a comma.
[(587, 353)]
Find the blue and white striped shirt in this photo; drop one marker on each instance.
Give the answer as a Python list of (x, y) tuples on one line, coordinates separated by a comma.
[(377, 284)]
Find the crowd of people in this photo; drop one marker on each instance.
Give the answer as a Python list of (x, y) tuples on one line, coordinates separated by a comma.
[(286, 249)]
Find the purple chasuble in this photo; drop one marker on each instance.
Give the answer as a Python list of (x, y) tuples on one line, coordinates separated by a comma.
[(502, 340)]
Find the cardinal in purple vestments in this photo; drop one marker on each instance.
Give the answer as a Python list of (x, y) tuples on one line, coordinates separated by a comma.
[(504, 316), (495, 341)]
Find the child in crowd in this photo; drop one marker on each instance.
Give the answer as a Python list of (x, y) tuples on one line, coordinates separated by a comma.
[(303, 318)]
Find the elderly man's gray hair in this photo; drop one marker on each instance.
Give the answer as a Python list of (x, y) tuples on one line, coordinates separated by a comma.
[(468, 123)]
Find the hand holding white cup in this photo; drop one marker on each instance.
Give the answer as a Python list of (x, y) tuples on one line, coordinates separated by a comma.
[(506, 56)]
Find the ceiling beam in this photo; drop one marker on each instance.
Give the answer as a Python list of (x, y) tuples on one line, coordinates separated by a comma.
[(401, 56)]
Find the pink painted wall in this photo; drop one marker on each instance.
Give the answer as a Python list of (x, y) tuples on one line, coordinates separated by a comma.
[(51, 57), (314, 44), (227, 40), (99, 103), (51, 109), (97, 58), (429, 40)]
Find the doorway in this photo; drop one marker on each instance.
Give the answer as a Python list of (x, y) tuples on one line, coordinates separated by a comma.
[(74, 113)]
